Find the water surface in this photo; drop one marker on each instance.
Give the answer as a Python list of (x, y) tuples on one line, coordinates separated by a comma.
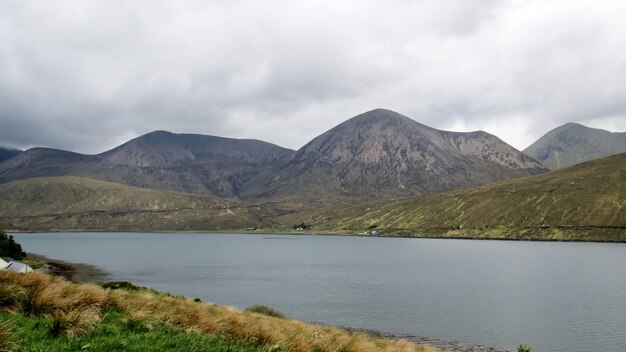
[(553, 296)]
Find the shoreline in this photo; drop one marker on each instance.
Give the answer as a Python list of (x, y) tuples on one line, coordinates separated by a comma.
[(88, 273), (74, 272), (325, 233)]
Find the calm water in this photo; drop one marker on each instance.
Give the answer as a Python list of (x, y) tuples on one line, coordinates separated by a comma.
[(552, 296)]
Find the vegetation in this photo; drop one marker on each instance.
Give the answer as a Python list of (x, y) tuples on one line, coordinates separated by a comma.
[(585, 202), (43, 312), (80, 203), (301, 226), (524, 348), (10, 248), (265, 310), (116, 332)]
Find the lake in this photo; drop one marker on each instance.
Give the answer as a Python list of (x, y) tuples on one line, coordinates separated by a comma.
[(553, 296)]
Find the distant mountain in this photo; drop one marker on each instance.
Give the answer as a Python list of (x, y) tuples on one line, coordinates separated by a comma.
[(379, 154), (6, 153), (159, 160), (573, 143), (585, 202), (384, 154)]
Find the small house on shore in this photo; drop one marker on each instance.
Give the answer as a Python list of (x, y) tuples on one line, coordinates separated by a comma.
[(7, 263)]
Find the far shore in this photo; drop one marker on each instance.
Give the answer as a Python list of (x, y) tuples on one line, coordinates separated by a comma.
[(352, 233)]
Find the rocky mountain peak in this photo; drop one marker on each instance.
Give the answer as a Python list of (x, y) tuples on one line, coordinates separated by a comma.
[(574, 143)]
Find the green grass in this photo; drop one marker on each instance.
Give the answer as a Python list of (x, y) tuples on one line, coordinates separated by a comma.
[(116, 332)]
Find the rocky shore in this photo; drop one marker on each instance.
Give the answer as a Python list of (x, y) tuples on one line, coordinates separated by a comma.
[(75, 272)]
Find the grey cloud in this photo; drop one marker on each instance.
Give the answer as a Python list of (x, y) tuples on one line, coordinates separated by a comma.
[(87, 75)]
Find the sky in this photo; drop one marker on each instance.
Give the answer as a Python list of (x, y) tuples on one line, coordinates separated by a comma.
[(87, 75)]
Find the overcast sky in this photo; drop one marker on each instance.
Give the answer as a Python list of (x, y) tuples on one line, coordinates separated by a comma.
[(89, 75)]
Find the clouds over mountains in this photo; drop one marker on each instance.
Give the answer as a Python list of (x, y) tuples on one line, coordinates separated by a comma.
[(87, 75)]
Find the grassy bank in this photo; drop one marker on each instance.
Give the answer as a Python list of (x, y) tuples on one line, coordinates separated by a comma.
[(40, 311)]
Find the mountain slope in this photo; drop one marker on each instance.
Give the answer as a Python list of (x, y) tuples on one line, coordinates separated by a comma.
[(80, 203), (6, 153), (582, 202), (159, 160), (384, 154), (573, 143)]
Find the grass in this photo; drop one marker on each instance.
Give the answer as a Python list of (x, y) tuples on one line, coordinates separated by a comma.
[(265, 310), (81, 203), (44, 310), (116, 332), (586, 202)]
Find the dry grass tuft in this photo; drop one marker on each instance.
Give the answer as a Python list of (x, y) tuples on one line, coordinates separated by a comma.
[(76, 309)]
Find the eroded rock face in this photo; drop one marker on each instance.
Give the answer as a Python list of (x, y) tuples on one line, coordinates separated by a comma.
[(382, 153)]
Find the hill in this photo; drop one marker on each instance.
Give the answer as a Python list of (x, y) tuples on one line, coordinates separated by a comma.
[(582, 202), (159, 160), (6, 153), (384, 154), (573, 143), (78, 203)]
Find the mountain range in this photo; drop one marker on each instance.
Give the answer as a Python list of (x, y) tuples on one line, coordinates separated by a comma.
[(160, 160), (573, 143), (7, 153), (586, 202), (376, 154), (379, 169)]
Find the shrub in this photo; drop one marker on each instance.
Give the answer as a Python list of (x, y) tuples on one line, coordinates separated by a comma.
[(524, 348), (124, 285), (265, 310), (10, 248)]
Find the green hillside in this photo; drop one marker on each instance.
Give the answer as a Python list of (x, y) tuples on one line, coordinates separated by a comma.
[(78, 203), (583, 202)]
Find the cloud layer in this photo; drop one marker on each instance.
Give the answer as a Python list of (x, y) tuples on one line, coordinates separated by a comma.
[(88, 75)]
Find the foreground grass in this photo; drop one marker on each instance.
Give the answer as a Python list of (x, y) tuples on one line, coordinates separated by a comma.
[(39, 312), (116, 332)]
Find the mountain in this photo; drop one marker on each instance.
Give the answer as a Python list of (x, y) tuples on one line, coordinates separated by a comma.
[(582, 202), (6, 153), (573, 143), (384, 154), (77, 203), (160, 160)]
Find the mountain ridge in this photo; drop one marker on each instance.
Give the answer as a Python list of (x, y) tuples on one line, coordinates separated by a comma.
[(160, 160), (396, 156), (379, 153), (573, 143), (8, 153)]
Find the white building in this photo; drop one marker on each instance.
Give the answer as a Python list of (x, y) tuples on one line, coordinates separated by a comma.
[(14, 265)]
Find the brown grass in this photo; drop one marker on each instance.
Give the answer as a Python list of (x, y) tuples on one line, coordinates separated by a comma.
[(77, 308)]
